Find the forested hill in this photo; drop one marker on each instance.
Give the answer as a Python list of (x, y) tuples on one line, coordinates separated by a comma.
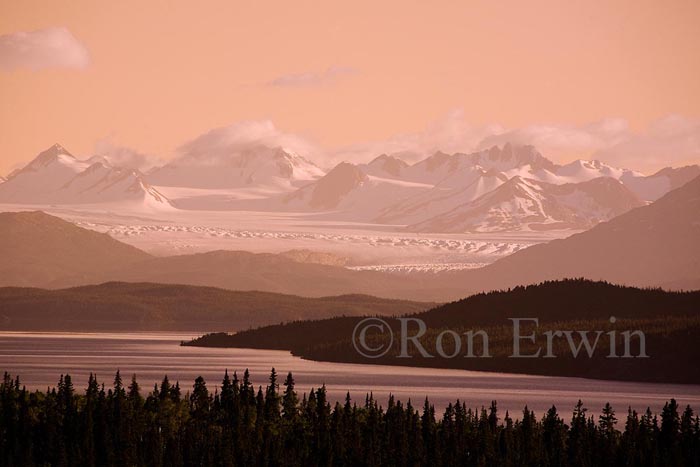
[(564, 300), (118, 306), (670, 321)]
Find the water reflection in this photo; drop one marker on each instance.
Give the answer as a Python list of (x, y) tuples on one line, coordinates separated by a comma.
[(39, 358)]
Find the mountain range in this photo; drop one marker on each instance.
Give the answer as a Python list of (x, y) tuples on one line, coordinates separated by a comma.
[(56, 177), (650, 246), (508, 188), (655, 245), (259, 166), (527, 204)]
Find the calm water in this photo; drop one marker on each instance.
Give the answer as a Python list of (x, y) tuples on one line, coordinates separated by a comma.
[(39, 358)]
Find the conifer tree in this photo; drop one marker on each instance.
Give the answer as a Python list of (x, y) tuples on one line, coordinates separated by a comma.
[(121, 427)]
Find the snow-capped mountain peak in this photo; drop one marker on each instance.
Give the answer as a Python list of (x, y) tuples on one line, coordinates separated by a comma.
[(386, 166), (55, 176), (511, 157), (499, 188), (436, 160), (527, 204), (262, 167), (582, 170), (352, 194), (50, 155), (510, 160), (328, 191), (55, 155)]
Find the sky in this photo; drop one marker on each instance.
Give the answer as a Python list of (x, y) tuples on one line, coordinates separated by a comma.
[(138, 81)]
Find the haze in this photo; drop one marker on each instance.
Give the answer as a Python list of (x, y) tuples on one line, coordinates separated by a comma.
[(615, 80)]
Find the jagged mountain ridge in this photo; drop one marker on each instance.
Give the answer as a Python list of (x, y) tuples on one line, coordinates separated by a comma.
[(499, 189), (432, 195), (55, 176), (526, 204), (650, 246), (273, 168), (348, 190)]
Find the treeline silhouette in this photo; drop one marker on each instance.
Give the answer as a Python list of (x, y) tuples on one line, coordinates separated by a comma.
[(237, 424), (670, 321)]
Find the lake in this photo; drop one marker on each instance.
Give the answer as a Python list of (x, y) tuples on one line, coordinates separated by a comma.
[(40, 358)]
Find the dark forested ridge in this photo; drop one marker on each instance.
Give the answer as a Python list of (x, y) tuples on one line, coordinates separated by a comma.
[(237, 424), (670, 321), (118, 306)]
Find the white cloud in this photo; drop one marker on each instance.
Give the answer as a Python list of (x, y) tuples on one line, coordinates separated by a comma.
[(563, 141), (222, 142), (121, 156), (670, 141), (45, 48), (451, 133), (312, 78)]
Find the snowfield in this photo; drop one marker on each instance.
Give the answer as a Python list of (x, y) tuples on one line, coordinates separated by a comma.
[(422, 268), (370, 249), (364, 245)]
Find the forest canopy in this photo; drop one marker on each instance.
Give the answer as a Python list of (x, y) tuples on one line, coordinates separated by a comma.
[(237, 424)]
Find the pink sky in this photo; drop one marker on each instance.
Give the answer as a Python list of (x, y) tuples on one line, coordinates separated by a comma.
[(616, 79)]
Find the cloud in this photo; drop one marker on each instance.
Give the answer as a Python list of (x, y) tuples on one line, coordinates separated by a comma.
[(669, 141), (312, 78), (121, 156), (220, 143), (451, 133), (45, 48), (563, 140)]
